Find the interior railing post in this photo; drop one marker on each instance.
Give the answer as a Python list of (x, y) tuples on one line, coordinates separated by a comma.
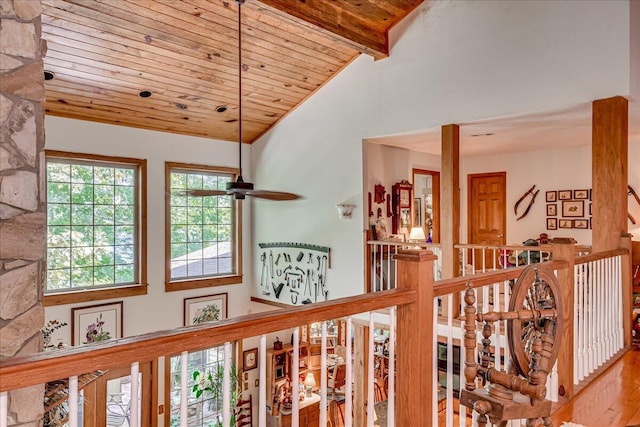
[(566, 252), (627, 289), (414, 339)]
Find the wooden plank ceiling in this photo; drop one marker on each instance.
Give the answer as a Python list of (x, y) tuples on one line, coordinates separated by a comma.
[(105, 52)]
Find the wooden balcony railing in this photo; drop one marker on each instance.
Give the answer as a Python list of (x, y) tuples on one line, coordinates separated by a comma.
[(419, 306)]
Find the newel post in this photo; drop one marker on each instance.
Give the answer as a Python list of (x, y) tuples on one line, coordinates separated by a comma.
[(415, 331), (626, 288), (566, 252)]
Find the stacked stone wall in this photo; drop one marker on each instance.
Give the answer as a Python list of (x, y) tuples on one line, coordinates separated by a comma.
[(22, 195)]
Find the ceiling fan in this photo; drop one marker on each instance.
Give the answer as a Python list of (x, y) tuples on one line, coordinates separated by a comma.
[(239, 188)]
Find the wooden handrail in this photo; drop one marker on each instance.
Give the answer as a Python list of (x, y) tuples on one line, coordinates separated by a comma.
[(40, 368), (458, 284), (600, 255), (539, 248)]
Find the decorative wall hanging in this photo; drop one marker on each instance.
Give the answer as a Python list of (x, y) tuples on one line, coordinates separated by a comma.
[(208, 308), (533, 195), (571, 209), (294, 273)]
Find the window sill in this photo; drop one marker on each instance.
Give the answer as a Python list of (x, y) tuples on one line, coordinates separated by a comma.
[(187, 284), (89, 295)]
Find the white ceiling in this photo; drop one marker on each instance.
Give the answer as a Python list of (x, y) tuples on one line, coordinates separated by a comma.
[(570, 127)]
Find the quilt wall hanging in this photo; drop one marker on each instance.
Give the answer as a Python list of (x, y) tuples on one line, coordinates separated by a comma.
[(294, 273)]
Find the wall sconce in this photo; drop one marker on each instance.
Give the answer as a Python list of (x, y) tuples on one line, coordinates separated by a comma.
[(345, 211)]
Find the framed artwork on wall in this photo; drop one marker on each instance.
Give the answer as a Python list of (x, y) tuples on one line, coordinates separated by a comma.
[(581, 194), (552, 223), (581, 223), (564, 194), (208, 308), (95, 323), (573, 208), (552, 209), (552, 196), (566, 223)]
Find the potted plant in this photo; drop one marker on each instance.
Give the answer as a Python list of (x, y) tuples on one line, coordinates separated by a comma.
[(211, 383)]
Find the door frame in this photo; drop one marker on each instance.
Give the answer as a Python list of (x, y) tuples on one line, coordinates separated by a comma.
[(435, 177)]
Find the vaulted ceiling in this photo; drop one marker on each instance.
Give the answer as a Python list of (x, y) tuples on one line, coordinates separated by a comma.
[(104, 53)]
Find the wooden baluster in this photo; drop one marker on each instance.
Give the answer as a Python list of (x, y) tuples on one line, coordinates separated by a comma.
[(471, 367)]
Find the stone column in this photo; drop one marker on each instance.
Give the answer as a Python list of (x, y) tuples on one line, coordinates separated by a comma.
[(22, 195)]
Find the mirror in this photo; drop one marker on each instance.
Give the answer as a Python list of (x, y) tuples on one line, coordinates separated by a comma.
[(426, 203)]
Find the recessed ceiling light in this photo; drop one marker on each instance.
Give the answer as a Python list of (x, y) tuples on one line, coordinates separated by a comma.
[(221, 108), (144, 93), (49, 75)]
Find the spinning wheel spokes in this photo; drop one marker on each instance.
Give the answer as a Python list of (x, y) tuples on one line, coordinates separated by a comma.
[(536, 290)]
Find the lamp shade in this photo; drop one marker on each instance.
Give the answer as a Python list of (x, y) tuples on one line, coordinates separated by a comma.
[(417, 233), (310, 381)]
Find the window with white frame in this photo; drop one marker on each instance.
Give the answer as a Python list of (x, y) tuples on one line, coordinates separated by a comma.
[(202, 247), (95, 238)]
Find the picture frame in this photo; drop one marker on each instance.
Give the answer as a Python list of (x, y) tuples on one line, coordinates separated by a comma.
[(573, 208), (552, 196), (552, 223), (103, 321), (250, 359), (590, 204), (581, 223), (207, 308), (565, 194), (580, 194), (565, 223), (552, 209)]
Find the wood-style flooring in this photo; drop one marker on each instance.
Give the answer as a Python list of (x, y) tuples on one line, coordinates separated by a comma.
[(611, 400)]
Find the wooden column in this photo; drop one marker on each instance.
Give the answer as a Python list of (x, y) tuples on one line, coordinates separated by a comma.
[(450, 200), (414, 382), (566, 252), (609, 172)]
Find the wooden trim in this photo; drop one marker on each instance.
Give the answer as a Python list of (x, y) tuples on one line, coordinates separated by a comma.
[(196, 283), (600, 255), (90, 295), (459, 284), (25, 371), (566, 283), (185, 285), (271, 303)]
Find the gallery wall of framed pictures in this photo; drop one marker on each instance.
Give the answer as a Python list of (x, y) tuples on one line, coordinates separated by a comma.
[(568, 209)]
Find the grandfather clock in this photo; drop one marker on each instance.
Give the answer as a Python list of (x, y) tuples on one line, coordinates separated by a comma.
[(401, 201)]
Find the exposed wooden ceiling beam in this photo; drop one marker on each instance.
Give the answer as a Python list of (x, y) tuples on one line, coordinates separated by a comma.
[(349, 22)]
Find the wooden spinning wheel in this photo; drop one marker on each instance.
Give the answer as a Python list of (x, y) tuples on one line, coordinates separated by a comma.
[(536, 290), (534, 325)]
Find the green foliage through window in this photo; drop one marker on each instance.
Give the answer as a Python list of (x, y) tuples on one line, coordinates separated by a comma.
[(91, 224), (201, 228)]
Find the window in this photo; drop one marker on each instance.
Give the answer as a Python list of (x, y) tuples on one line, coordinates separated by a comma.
[(201, 411), (203, 233), (95, 238)]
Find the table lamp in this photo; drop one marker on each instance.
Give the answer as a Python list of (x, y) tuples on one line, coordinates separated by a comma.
[(310, 383), (417, 235)]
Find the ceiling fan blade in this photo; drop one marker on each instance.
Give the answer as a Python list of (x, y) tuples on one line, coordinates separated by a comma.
[(272, 195), (203, 193)]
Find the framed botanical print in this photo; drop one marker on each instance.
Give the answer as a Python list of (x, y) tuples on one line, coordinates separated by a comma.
[(95, 323), (573, 208), (552, 223), (208, 308), (552, 209), (552, 196)]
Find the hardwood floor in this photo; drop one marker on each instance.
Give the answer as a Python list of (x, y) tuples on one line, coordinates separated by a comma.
[(612, 400)]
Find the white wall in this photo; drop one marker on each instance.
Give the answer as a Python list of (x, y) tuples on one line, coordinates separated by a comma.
[(560, 169), (460, 61), (454, 63), (158, 309)]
